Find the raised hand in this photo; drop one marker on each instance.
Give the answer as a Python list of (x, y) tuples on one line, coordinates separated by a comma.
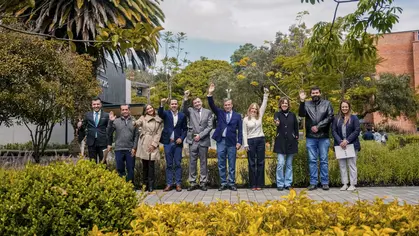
[(164, 100), (266, 90), (186, 94), (211, 88), (112, 116), (303, 95)]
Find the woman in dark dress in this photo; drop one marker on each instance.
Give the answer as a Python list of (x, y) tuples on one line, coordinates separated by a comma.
[(286, 143)]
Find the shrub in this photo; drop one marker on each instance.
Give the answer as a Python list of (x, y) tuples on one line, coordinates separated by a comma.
[(378, 165), (28, 146), (296, 215), (64, 199)]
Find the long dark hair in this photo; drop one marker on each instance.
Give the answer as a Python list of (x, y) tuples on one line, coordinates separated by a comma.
[(341, 115)]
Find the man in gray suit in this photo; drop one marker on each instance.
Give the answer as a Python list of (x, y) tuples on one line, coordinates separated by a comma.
[(198, 138)]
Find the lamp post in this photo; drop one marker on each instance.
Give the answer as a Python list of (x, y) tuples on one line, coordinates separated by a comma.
[(228, 93)]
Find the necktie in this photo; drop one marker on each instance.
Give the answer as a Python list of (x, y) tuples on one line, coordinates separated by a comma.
[(228, 117), (199, 112), (96, 118)]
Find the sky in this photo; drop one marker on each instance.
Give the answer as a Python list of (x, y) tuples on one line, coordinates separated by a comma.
[(216, 28)]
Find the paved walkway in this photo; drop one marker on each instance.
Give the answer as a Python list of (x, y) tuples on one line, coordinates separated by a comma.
[(408, 194)]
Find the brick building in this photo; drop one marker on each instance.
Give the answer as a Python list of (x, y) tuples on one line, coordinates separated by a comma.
[(400, 54)]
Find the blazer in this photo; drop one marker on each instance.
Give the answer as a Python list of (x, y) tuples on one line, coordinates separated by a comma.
[(352, 131), (89, 129), (234, 133), (198, 125), (180, 128)]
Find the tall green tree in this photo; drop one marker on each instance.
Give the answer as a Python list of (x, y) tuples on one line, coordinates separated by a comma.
[(125, 29), (378, 15), (43, 82)]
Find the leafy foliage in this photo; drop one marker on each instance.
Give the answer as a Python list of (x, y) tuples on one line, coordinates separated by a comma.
[(42, 83), (121, 23), (396, 96), (294, 215), (64, 199)]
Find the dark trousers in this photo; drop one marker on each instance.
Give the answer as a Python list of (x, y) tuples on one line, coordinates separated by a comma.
[(173, 154), (123, 157), (256, 155), (96, 151), (148, 173)]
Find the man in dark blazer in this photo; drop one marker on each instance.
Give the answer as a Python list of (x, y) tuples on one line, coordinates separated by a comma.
[(229, 137), (94, 127), (174, 132)]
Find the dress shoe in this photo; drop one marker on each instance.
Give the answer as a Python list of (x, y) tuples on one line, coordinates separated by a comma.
[(178, 188), (192, 187), (204, 187), (233, 188), (325, 187), (287, 187), (280, 188), (150, 189), (312, 187), (168, 188), (223, 187)]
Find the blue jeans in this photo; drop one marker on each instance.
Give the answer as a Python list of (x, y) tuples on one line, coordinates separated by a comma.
[(284, 159), (315, 148), (173, 154), (122, 157), (225, 153)]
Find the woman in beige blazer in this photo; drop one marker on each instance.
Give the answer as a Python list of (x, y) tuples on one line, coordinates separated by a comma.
[(148, 147)]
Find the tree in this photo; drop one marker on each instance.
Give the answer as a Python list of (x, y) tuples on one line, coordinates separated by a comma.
[(122, 27), (43, 83), (395, 96), (198, 75), (173, 64), (379, 15)]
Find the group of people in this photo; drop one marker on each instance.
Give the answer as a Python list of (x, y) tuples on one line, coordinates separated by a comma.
[(192, 124)]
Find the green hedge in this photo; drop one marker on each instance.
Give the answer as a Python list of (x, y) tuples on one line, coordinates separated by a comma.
[(378, 165), (64, 199)]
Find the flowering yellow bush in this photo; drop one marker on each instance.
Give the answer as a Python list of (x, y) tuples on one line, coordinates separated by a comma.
[(295, 215)]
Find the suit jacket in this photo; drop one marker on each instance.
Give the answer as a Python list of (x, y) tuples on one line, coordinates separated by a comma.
[(89, 128), (352, 131), (234, 133), (180, 128), (198, 125)]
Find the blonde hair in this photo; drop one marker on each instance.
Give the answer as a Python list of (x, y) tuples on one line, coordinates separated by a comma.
[(257, 110)]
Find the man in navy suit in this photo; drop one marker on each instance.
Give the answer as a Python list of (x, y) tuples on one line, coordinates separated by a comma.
[(174, 132), (228, 135), (94, 126)]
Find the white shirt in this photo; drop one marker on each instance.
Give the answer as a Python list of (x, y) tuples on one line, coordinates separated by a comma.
[(175, 119), (252, 127)]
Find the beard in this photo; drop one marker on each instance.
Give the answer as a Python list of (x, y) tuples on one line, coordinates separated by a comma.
[(315, 98)]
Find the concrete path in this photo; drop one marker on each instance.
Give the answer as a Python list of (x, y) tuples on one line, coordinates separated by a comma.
[(408, 194)]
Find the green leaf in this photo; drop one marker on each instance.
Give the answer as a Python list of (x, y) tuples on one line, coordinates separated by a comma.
[(80, 4), (70, 34), (72, 46), (115, 39)]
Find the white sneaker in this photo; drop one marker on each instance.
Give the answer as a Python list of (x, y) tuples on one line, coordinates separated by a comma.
[(351, 188), (344, 187)]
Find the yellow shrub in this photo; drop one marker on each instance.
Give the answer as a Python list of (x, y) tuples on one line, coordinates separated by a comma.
[(296, 215)]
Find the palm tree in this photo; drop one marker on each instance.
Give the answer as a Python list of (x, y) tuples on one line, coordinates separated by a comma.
[(84, 19)]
